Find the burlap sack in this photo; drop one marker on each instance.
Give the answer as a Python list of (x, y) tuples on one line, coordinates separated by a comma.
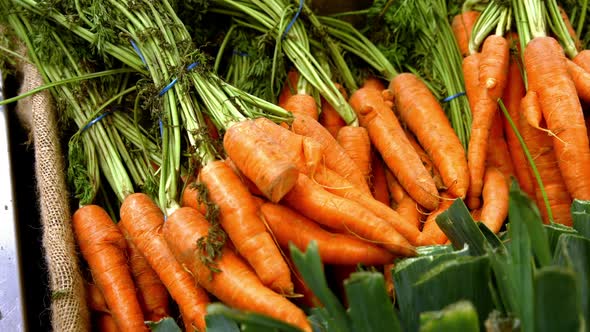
[(68, 304)]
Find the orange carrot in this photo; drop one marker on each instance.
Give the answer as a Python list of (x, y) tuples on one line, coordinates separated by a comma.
[(289, 87), (260, 159), (333, 248), (355, 141), (581, 80), (462, 26), (405, 206), (330, 119), (151, 293), (431, 233), (583, 59), (379, 181), (143, 221), (236, 284), (420, 110), (95, 300), (103, 246), (249, 184), (426, 161), (547, 75), (390, 140), (105, 323), (388, 275), (301, 104), (344, 215), (493, 67), (513, 94), (498, 155), (374, 83), (495, 199), (542, 150), (190, 197), (239, 218)]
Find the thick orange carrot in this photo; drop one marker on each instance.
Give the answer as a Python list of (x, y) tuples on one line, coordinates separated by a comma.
[(239, 218), (493, 67), (498, 155), (152, 294), (470, 67), (335, 156), (581, 80), (344, 215), (190, 197), (431, 233), (542, 150), (95, 300), (235, 284), (405, 206), (379, 180), (103, 246), (547, 74), (249, 184), (426, 161), (289, 87), (513, 94), (143, 221), (105, 323), (301, 104), (583, 60), (390, 140), (462, 26), (374, 83), (260, 159), (355, 141), (420, 110), (330, 119), (333, 248), (495, 199)]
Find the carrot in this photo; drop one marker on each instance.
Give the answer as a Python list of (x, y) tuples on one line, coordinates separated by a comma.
[(420, 110), (388, 275), (333, 248), (260, 159), (105, 323), (581, 80), (143, 221), (495, 56), (498, 155), (495, 199), (103, 246), (390, 140), (379, 181), (541, 147), (335, 157), (545, 63), (289, 87), (355, 141), (249, 184), (211, 129), (152, 294), (570, 29), (190, 197), (426, 161), (344, 215), (470, 68), (301, 104), (462, 26), (235, 284), (513, 94), (239, 218), (583, 59), (431, 233), (329, 118), (374, 83), (405, 206), (95, 300)]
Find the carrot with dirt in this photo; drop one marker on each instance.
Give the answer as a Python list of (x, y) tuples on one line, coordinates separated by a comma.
[(334, 248), (390, 140), (403, 204), (346, 216), (425, 118), (462, 26), (151, 293), (233, 281), (355, 141), (103, 246), (238, 215), (144, 220), (495, 199)]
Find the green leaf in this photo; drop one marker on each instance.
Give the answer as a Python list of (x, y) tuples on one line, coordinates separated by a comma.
[(166, 324), (456, 222), (459, 316), (573, 251), (557, 300), (310, 267), (490, 237), (264, 323), (220, 323), (581, 215), (369, 306), (554, 232)]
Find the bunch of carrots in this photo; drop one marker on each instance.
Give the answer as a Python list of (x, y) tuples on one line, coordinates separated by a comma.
[(366, 186)]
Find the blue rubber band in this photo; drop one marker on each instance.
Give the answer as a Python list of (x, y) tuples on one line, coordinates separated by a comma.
[(290, 25), (138, 51), (171, 84), (95, 120), (161, 127), (240, 53), (457, 95)]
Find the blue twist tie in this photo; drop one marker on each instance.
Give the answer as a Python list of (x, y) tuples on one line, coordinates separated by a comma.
[(138, 51), (457, 95), (161, 127), (290, 25), (240, 53), (171, 84), (95, 120)]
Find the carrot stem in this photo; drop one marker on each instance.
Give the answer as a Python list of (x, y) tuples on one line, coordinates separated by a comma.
[(560, 29), (582, 17)]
